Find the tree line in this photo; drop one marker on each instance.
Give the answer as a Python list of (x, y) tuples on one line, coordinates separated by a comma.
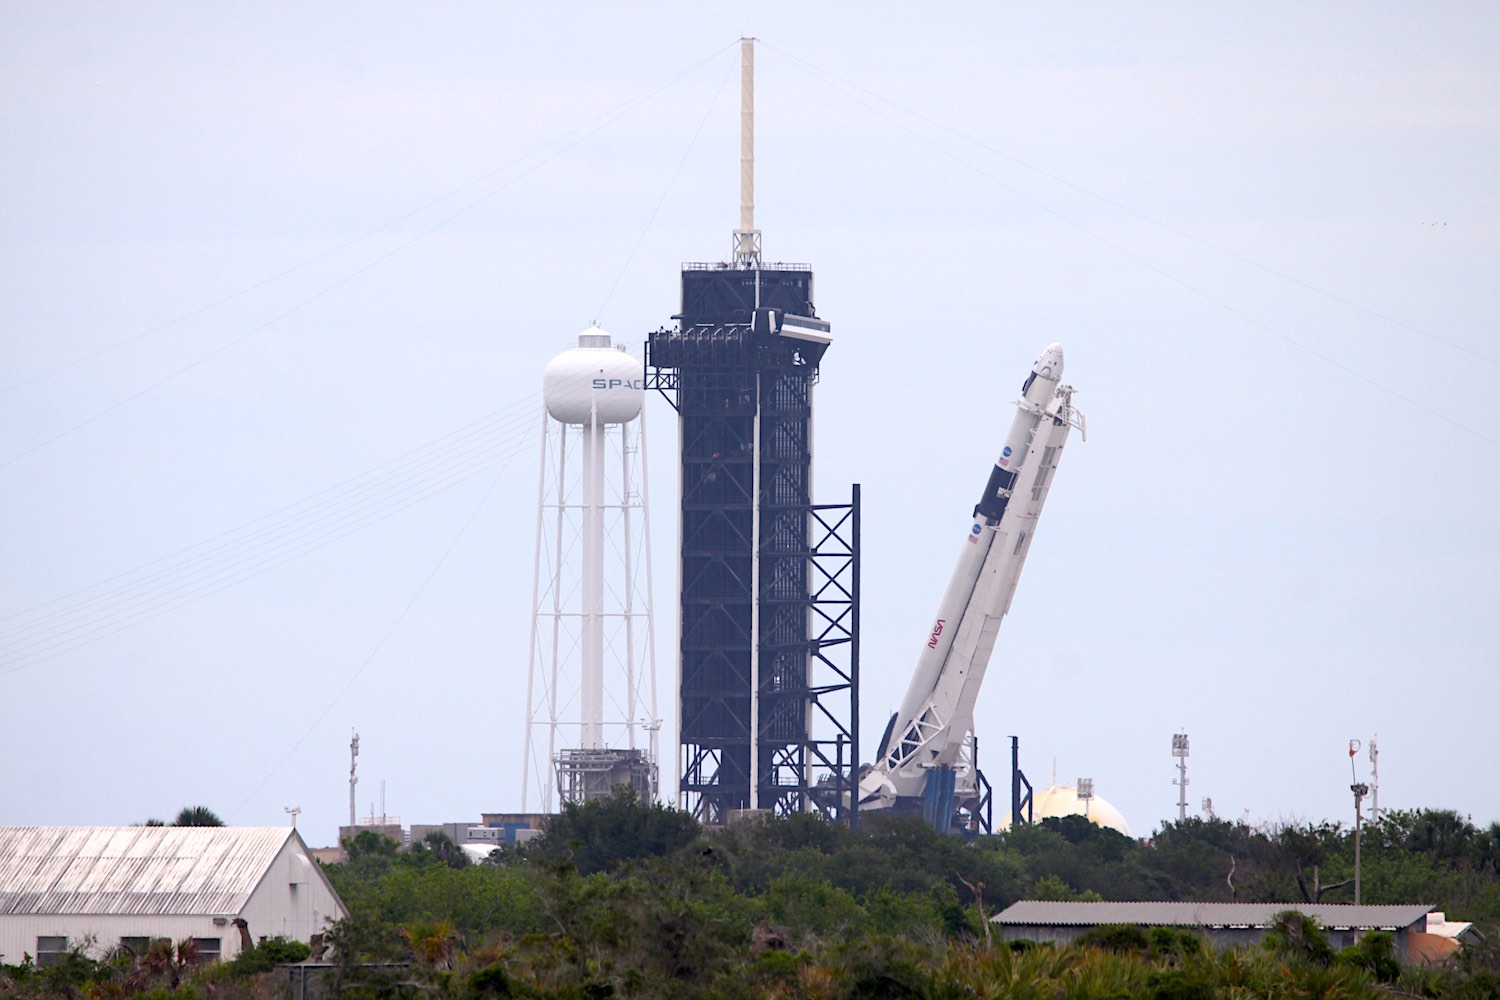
[(622, 898)]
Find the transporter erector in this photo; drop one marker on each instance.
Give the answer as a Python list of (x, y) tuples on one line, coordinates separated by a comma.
[(926, 763)]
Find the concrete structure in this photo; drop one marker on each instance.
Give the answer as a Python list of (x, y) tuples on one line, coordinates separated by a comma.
[(491, 831), (100, 887), (1223, 924), (386, 826), (507, 828), (456, 832), (327, 855), (476, 837)]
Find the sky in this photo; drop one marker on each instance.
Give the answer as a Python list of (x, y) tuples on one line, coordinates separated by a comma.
[(278, 283)]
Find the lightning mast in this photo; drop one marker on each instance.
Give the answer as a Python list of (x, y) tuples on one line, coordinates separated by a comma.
[(747, 237)]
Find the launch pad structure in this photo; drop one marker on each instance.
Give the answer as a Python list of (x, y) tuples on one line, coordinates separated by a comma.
[(768, 640), (768, 648)]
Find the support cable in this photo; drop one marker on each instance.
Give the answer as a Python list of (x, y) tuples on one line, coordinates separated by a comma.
[(381, 258), (379, 645), (835, 84)]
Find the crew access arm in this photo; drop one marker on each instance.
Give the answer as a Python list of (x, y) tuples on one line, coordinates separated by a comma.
[(925, 764)]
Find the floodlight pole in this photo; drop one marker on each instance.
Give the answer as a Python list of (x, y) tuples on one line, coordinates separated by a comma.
[(1180, 751)]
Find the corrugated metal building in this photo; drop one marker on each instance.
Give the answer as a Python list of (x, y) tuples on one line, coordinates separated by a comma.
[(1222, 924), (63, 887)]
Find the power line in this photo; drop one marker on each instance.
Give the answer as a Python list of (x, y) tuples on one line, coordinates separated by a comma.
[(842, 87), (1165, 226), (671, 182), (588, 128), (379, 645), (232, 557), (599, 125)]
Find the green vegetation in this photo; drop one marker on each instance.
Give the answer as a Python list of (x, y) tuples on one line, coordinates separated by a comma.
[(196, 816), (622, 899)]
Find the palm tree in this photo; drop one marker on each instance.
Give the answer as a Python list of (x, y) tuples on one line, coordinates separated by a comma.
[(197, 816), (433, 941)]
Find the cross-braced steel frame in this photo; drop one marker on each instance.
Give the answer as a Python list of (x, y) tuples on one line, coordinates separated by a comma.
[(767, 650)]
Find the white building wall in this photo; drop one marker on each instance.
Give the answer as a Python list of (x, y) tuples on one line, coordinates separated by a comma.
[(18, 934), (294, 900)]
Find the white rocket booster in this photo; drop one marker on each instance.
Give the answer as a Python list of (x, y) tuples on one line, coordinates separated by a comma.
[(936, 715)]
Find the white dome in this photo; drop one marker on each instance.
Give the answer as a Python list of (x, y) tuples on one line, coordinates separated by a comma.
[(1063, 800), (594, 378)]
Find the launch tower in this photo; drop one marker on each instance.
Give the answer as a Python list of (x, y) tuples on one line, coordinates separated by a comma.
[(768, 640)]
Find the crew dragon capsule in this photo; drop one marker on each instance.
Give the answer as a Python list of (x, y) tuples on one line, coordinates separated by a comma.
[(923, 762)]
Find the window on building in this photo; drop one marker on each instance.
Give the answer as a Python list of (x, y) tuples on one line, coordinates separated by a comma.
[(51, 950), (137, 946), (208, 949)]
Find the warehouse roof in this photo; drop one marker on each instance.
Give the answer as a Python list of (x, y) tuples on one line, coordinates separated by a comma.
[(1332, 915), (134, 869)]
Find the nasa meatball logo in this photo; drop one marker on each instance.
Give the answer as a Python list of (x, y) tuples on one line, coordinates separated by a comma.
[(1005, 452)]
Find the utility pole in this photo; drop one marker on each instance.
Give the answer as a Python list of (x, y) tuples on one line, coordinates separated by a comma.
[(1360, 790)]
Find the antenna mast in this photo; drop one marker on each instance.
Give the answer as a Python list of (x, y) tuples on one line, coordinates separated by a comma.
[(747, 237), (1180, 751), (353, 753), (1374, 781)]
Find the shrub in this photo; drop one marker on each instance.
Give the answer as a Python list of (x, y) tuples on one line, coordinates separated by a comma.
[(268, 954), (1294, 936), (1376, 954)]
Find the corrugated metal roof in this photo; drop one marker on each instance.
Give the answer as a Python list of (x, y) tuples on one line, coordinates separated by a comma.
[(1333, 915), (133, 869)]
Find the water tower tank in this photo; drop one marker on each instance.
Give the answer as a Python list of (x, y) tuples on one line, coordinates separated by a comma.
[(593, 377)]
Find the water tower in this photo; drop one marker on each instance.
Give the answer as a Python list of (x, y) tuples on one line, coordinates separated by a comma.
[(592, 721)]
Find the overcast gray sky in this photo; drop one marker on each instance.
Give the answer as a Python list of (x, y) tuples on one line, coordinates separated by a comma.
[(254, 252)]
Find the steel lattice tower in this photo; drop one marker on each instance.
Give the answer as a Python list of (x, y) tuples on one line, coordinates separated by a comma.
[(767, 645)]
